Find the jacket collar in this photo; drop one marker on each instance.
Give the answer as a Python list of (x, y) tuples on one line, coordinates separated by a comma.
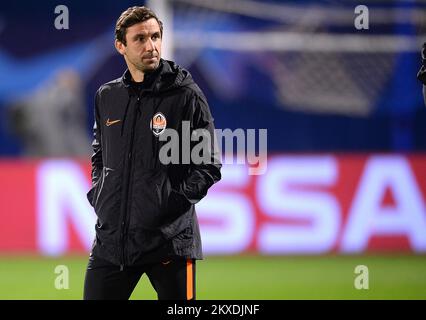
[(151, 78)]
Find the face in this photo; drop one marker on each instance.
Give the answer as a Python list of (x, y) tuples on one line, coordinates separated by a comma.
[(143, 49)]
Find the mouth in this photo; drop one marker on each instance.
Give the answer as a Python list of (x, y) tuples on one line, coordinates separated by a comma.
[(150, 58)]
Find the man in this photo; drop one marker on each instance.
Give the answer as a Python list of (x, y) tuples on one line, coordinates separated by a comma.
[(421, 75), (145, 208)]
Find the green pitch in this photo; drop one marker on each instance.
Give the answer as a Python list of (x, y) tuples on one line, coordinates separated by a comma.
[(238, 277)]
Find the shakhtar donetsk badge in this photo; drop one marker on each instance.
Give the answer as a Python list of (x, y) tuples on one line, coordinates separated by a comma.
[(158, 124)]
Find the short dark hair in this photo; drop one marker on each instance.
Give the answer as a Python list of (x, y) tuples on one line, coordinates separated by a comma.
[(131, 16)]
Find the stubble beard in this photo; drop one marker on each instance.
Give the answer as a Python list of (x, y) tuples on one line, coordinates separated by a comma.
[(146, 68)]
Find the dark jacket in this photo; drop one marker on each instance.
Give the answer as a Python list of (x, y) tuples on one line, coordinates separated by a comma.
[(145, 209)]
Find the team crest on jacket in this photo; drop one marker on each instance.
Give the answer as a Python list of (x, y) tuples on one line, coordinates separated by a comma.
[(158, 124)]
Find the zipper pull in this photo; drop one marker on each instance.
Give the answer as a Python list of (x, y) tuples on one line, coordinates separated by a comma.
[(121, 267)]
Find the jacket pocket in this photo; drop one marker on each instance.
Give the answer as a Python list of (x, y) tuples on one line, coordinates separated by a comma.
[(179, 213), (93, 192), (90, 195), (106, 196), (184, 239), (177, 223)]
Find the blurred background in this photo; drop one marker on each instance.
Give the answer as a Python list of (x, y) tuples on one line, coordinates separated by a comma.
[(345, 183)]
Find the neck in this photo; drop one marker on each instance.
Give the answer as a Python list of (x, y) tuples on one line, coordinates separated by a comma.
[(137, 75)]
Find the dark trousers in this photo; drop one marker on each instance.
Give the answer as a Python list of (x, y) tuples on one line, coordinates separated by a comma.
[(172, 279)]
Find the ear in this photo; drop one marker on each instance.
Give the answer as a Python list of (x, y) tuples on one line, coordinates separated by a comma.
[(120, 47)]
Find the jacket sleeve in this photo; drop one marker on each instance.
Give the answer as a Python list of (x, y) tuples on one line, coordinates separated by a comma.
[(97, 164), (201, 175)]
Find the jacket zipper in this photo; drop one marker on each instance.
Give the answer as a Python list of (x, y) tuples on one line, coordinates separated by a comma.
[(127, 195)]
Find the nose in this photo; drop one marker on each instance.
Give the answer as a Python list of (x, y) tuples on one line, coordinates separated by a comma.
[(150, 45)]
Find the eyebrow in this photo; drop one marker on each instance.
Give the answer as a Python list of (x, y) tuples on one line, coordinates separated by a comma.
[(136, 36)]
